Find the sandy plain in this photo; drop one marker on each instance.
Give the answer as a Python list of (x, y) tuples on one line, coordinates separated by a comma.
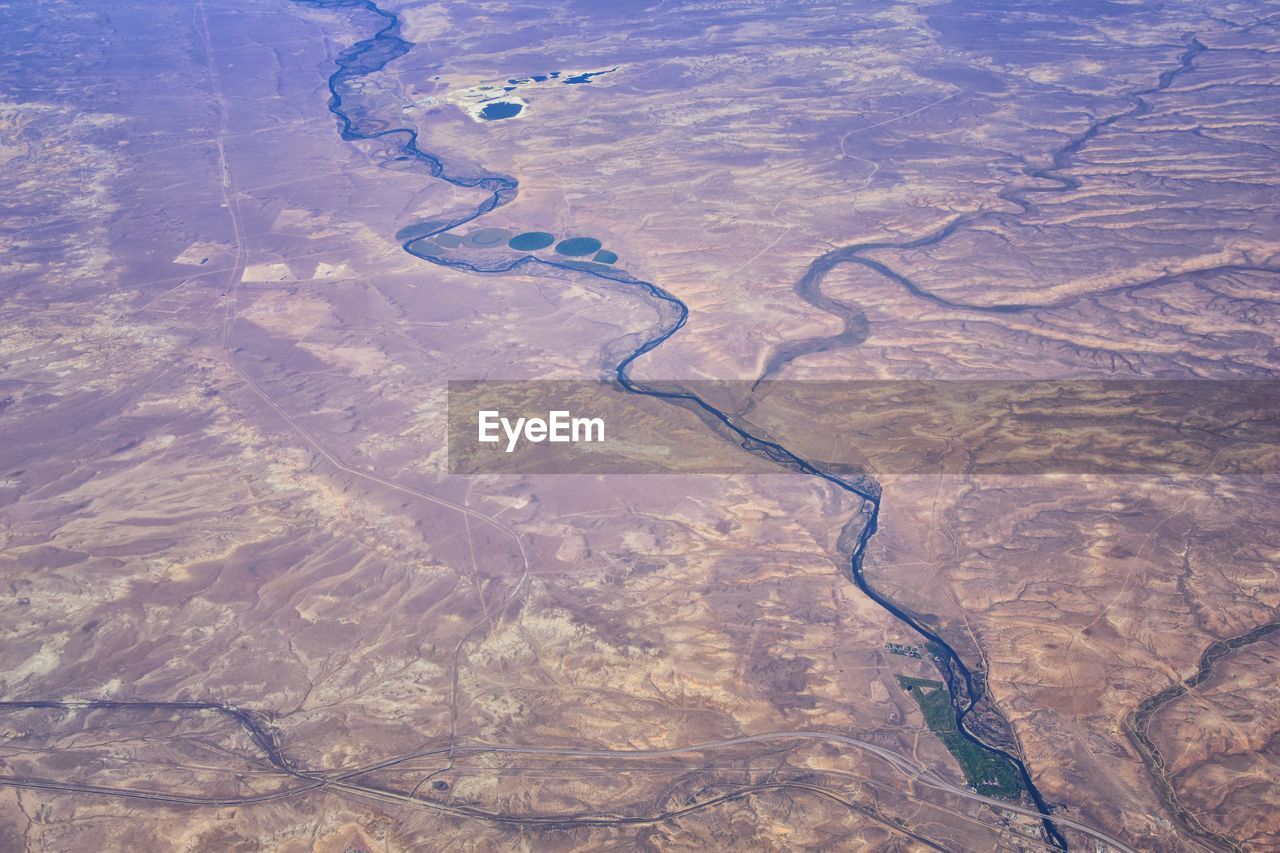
[(223, 468)]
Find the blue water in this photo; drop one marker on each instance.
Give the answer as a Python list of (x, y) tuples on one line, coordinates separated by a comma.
[(531, 241), (500, 110), (585, 77), (576, 246)]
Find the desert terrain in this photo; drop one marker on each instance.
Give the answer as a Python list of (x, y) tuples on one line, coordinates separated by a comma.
[(250, 602)]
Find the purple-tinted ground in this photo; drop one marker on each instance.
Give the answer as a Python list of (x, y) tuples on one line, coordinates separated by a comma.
[(246, 606)]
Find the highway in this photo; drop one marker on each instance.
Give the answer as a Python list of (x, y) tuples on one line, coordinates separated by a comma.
[(344, 780)]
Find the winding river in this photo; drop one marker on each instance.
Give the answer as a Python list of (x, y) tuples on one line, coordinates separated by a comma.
[(385, 45), (1137, 722)]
